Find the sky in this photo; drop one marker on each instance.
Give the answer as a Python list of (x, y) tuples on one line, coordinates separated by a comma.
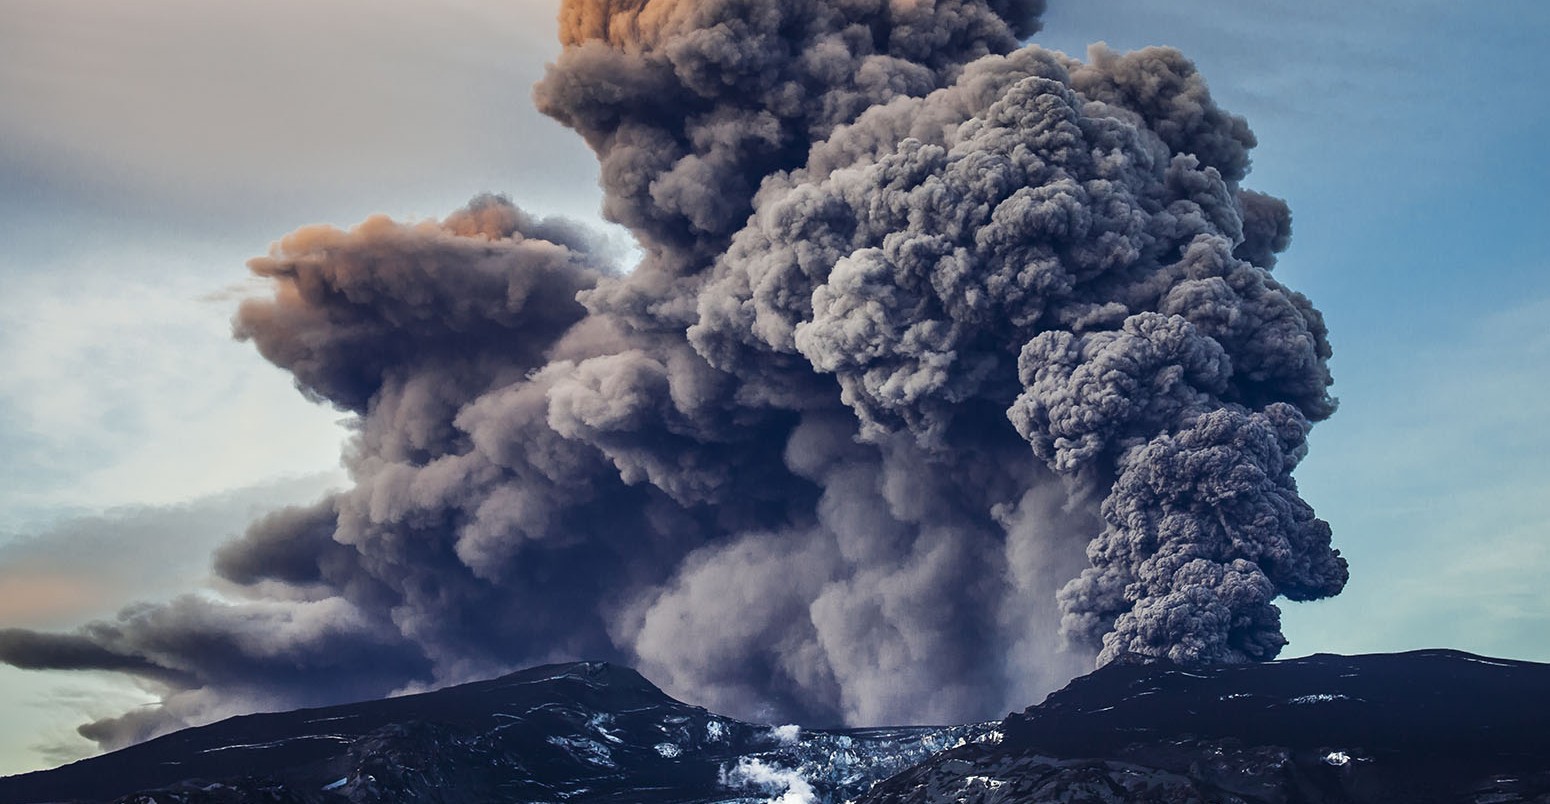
[(147, 154)]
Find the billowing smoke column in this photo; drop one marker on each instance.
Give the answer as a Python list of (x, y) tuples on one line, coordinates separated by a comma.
[(949, 367)]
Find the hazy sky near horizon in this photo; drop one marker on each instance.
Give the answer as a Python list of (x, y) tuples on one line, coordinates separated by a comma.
[(146, 152)]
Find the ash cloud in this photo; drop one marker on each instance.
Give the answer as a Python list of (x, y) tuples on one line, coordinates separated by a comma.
[(951, 367)]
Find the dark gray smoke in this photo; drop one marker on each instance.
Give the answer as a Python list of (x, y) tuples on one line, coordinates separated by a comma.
[(921, 317)]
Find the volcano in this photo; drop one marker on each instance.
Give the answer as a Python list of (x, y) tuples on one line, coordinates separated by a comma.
[(1424, 726)]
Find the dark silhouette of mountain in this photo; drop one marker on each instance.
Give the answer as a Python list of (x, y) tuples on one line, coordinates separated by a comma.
[(575, 732), (1424, 726), (1427, 726)]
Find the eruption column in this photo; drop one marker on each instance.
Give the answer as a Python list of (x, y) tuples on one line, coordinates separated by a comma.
[(951, 366)]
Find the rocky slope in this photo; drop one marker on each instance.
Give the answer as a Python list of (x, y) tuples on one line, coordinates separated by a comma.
[(1428, 726), (576, 732)]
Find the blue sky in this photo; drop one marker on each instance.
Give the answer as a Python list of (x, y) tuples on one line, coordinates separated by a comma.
[(145, 154), (1408, 139)]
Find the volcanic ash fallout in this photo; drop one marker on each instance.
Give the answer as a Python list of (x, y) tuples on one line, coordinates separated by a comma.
[(951, 367)]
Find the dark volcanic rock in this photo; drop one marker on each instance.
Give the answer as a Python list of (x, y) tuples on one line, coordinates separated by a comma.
[(1426, 726), (581, 732), (1422, 727)]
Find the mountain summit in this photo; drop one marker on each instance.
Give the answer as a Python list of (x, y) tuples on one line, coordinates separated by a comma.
[(1426, 726), (588, 731), (1420, 727)]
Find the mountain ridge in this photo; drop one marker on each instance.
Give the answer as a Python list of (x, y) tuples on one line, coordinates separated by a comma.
[(592, 731), (1434, 725), (1422, 726)]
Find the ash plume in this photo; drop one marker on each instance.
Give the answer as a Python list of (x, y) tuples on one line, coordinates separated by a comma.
[(951, 366)]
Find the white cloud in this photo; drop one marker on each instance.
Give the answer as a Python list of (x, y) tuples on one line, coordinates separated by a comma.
[(218, 108), (88, 567), (782, 785), (122, 386), (43, 709), (152, 149)]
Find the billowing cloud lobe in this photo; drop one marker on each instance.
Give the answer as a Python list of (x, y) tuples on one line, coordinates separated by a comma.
[(950, 366)]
